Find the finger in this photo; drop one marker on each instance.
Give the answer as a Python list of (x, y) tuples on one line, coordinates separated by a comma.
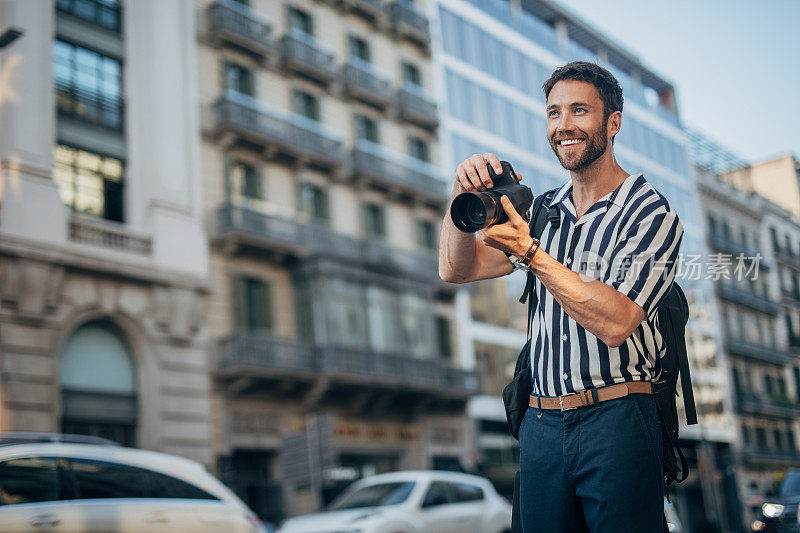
[(494, 161), (483, 172), (513, 216), (519, 177), (472, 176), (462, 179)]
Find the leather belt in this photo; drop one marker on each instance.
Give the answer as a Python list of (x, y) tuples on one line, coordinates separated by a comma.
[(586, 397)]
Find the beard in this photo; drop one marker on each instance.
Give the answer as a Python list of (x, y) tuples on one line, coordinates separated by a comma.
[(594, 146)]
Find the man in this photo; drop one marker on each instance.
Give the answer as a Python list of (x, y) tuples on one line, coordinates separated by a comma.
[(596, 465)]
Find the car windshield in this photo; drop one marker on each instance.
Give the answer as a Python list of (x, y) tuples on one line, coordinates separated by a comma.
[(791, 485), (375, 496)]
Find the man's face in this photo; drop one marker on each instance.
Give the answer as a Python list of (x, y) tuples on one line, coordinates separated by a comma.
[(576, 128)]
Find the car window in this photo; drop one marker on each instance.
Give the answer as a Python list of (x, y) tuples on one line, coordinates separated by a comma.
[(375, 495), (466, 492), (163, 486), (102, 480), (791, 484), (439, 493), (28, 480)]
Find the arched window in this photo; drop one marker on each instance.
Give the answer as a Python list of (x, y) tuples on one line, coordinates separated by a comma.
[(98, 384)]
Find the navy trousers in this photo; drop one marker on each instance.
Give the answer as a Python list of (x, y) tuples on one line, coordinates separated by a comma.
[(594, 469)]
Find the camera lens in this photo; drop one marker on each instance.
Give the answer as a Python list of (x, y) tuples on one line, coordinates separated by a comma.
[(473, 211)]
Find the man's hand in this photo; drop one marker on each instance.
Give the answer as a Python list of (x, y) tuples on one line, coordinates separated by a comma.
[(512, 237), (473, 175)]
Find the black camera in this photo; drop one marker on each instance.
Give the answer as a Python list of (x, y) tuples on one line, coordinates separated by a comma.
[(472, 211)]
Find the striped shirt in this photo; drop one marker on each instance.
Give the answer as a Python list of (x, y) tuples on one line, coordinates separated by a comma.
[(629, 239)]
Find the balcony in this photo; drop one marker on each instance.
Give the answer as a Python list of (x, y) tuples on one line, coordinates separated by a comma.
[(748, 299), (767, 406), (791, 296), (417, 107), (787, 258), (108, 235), (238, 25), (363, 82), (305, 55), (398, 173), (756, 352), (242, 228), (372, 9), (90, 107), (102, 14), (242, 119), (725, 245), (410, 23), (763, 456), (263, 357)]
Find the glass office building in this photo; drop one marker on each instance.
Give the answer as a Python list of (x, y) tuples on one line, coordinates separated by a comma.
[(493, 57)]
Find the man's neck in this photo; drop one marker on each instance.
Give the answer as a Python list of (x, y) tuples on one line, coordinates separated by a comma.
[(595, 181)]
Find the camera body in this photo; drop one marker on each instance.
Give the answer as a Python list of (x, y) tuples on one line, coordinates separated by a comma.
[(473, 211)]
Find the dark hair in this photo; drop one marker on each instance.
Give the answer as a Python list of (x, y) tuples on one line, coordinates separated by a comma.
[(605, 83)]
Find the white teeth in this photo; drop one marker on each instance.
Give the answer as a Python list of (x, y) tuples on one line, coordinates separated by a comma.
[(570, 141)]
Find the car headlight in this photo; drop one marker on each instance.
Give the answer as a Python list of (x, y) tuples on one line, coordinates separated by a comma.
[(772, 510)]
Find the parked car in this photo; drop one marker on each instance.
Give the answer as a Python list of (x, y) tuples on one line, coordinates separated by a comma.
[(780, 514), (411, 502), (74, 484), (671, 515)]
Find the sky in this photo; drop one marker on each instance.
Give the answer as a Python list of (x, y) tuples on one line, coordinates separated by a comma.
[(735, 64)]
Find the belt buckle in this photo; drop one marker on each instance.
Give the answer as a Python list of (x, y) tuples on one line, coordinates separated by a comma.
[(561, 405)]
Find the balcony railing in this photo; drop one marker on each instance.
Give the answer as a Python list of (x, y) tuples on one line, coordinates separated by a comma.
[(770, 456), (790, 259), (362, 81), (304, 54), (757, 352), (793, 296), (397, 171), (748, 298), (409, 22), (734, 248), (290, 134), (103, 14), (239, 25), (418, 107), (259, 230), (90, 107), (263, 354), (767, 406), (372, 8), (108, 235)]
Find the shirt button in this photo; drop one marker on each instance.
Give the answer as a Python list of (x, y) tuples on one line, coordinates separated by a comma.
[(565, 376), (569, 260), (564, 337)]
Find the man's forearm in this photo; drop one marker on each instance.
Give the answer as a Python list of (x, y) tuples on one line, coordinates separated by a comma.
[(599, 308), (456, 248)]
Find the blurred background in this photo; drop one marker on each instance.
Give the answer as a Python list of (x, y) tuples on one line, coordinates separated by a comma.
[(219, 228)]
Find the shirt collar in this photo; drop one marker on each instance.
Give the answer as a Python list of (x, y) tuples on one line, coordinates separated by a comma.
[(617, 197)]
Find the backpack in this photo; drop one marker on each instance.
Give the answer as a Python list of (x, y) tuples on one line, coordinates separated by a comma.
[(673, 314)]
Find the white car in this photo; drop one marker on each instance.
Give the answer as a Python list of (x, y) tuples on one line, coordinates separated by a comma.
[(411, 502), (73, 487)]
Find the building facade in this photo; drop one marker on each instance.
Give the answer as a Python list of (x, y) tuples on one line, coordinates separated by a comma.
[(103, 253), (335, 350), (491, 75)]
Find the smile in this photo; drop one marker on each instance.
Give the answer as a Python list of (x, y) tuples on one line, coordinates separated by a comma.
[(569, 142)]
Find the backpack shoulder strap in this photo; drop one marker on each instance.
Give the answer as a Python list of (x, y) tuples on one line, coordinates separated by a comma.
[(678, 318), (540, 214)]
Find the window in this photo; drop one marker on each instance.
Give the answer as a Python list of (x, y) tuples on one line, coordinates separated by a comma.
[(163, 486), (29, 480), (300, 21), (746, 435), (359, 49), (305, 104), (790, 440), (366, 129), (773, 233), (443, 337), (411, 74), (239, 79), (253, 303), (761, 437), (426, 235), (418, 149), (313, 203), (777, 436), (245, 180), (89, 183), (439, 493), (374, 221), (102, 480), (468, 493), (88, 85), (104, 13)]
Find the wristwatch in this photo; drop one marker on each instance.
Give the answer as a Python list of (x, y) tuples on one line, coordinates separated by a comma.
[(524, 263)]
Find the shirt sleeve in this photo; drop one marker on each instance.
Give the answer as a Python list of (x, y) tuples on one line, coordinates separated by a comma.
[(643, 263)]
